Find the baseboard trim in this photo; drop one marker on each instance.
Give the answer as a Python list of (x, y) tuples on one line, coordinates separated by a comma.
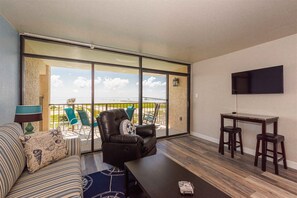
[(205, 137), (291, 164)]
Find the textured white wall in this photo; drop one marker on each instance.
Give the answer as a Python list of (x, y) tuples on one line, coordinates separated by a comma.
[(211, 80)]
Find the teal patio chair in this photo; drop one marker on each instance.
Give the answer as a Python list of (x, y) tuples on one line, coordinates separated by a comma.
[(85, 122), (130, 112), (151, 117), (71, 116)]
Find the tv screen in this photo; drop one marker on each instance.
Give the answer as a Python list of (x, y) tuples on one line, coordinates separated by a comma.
[(260, 81)]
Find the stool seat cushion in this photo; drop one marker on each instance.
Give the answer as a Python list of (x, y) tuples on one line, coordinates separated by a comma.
[(270, 137), (231, 129)]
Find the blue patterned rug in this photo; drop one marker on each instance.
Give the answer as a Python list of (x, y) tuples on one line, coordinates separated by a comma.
[(108, 183)]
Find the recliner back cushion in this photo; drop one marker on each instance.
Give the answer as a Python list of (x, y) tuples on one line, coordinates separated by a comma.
[(12, 156), (110, 122)]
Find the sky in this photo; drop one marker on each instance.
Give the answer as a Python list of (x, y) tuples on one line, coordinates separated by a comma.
[(75, 83)]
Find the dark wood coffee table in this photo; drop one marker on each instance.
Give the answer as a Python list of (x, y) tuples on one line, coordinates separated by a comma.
[(158, 176)]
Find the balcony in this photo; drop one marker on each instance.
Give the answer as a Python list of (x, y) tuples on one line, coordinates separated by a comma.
[(111, 79), (57, 118)]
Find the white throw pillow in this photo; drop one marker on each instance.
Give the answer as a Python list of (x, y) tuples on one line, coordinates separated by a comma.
[(42, 149), (127, 127)]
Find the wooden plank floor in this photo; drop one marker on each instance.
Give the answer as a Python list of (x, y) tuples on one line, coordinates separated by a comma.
[(237, 177)]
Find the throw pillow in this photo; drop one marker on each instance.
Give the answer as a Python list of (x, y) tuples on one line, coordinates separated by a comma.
[(43, 149), (127, 127)]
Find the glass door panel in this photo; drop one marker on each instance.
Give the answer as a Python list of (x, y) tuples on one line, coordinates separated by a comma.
[(154, 101), (61, 88), (178, 117), (115, 88)]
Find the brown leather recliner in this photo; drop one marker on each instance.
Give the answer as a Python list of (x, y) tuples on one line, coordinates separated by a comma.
[(118, 148)]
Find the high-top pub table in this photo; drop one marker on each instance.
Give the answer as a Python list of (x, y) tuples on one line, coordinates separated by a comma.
[(264, 120)]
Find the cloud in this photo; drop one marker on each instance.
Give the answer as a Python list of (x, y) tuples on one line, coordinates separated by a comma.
[(98, 80), (56, 81), (115, 83), (83, 82), (75, 90), (151, 83)]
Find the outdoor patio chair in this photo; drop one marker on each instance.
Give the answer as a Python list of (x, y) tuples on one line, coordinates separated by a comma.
[(130, 112), (71, 116), (85, 122), (151, 117)]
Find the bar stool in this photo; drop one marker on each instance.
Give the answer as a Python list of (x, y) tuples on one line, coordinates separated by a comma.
[(232, 142), (275, 139)]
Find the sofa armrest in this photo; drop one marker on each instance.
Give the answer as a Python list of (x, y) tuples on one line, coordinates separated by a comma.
[(73, 146), (146, 130), (126, 139)]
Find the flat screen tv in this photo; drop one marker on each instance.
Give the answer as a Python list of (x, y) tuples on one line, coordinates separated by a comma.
[(260, 81)]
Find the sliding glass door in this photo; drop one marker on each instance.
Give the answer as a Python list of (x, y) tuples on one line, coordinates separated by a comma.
[(154, 101), (60, 76), (114, 88), (62, 88), (165, 95), (165, 103)]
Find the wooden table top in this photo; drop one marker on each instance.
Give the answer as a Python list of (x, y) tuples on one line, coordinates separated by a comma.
[(158, 176), (246, 116)]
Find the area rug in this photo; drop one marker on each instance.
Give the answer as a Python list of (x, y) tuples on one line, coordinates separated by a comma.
[(108, 183)]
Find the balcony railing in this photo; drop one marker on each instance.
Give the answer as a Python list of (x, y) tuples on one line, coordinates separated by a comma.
[(58, 115)]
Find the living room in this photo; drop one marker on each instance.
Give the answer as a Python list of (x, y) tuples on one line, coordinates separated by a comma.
[(173, 64)]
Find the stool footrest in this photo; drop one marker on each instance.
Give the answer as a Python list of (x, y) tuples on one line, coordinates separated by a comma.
[(235, 146), (280, 159), (272, 151)]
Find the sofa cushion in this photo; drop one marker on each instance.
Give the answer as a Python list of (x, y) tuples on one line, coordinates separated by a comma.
[(60, 179), (43, 149), (12, 156)]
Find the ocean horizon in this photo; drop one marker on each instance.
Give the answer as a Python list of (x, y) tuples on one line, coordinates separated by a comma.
[(86, 100)]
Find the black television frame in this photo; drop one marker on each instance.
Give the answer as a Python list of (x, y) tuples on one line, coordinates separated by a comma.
[(235, 92)]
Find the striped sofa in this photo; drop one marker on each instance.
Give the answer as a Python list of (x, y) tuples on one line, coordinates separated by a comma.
[(60, 179)]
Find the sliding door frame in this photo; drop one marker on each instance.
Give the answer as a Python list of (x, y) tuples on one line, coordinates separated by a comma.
[(24, 55), (167, 94), (167, 74)]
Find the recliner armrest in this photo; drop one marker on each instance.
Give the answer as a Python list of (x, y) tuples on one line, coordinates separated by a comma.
[(126, 139), (146, 130)]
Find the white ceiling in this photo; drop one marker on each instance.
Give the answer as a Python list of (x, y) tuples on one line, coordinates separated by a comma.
[(186, 30)]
